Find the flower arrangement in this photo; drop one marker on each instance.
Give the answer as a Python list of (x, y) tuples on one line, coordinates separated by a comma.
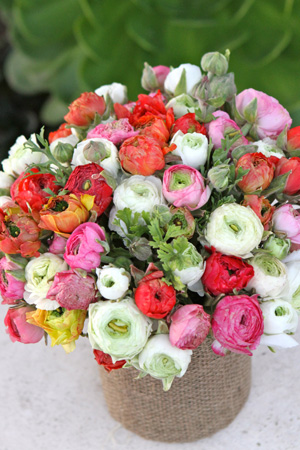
[(157, 223)]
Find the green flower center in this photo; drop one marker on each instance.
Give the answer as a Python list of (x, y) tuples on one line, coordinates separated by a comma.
[(117, 327), (13, 230), (140, 190), (107, 281), (60, 206), (180, 180), (86, 185)]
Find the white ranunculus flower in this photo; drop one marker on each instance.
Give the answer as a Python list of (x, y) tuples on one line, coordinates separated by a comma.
[(117, 92), (100, 151), (20, 157), (280, 320), (291, 293), (191, 147), (118, 328), (113, 282), (139, 193), (163, 361), (268, 148), (270, 275), (186, 263), (182, 104), (193, 76), (6, 180), (234, 230), (39, 274)]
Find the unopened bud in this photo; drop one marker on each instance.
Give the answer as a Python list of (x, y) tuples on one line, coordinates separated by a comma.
[(63, 152), (219, 177), (215, 63)]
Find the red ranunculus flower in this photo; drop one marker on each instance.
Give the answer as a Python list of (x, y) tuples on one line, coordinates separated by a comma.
[(61, 132), (82, 111), (87, 179), (141, 155), (149, 105), (153, 296), (188, 124), (153, 127), (28, 190), (284, 165), (260, 175), (262, 208), (103, 359), (19, 233), (224, 273), (293, 139)]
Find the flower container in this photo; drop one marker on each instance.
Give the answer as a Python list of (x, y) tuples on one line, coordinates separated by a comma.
[(205, 400)]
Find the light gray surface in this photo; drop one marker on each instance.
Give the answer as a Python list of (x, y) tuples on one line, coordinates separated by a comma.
[(53, 401)]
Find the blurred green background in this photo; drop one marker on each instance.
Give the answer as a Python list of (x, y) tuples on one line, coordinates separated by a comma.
[(64, 47)]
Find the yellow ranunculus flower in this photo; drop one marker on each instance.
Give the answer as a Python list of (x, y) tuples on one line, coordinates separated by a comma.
[(63, 326)]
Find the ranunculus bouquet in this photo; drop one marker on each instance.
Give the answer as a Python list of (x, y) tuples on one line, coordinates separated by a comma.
[(156, 222)]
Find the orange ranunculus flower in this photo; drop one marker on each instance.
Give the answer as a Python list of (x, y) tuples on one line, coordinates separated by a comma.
[(63, 326), (64, 213), (82, 110), (262, 208)]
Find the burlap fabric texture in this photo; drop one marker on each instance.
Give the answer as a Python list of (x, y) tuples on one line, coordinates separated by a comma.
[(206, 399)]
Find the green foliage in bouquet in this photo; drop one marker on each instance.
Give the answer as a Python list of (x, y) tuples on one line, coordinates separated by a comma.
[(67, 47)]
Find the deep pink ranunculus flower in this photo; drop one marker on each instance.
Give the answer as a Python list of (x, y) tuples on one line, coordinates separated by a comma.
[(237, 324), (83, 250), (286, 219), (184, 186)]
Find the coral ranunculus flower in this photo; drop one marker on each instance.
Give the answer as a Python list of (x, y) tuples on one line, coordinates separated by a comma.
[(87, 179), (61, 132), (105, 360), (260, 175), (149, 105), (82, 111), (293, 139), (153, 296), (29, 189), (141, 155), (64, 213), (19, 233), (262, 208), (292, 165), (153, 127)]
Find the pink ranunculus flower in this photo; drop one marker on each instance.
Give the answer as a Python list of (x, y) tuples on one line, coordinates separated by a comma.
[(18, 329), (58, 245), (237, 324), (72, 291), (189, 327), (11, 289), (286, 219), (115, 132), (83, 250), (161, 73), (184, 186), (270, 118), (223, 126)]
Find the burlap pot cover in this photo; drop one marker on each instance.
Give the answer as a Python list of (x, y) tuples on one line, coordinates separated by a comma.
[(206, 399)]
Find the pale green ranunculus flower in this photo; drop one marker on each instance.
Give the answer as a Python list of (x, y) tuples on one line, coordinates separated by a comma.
[(234, 230), (270, 275), (113, 282), (118, 328), (182, 104), (291, 293), (163, 361), (39, 274)]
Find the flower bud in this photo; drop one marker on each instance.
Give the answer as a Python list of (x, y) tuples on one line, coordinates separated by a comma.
[(183, 79), (215, 63), (219, 177), (63, 152), (182, 104), (153, 78), (278, 247)]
